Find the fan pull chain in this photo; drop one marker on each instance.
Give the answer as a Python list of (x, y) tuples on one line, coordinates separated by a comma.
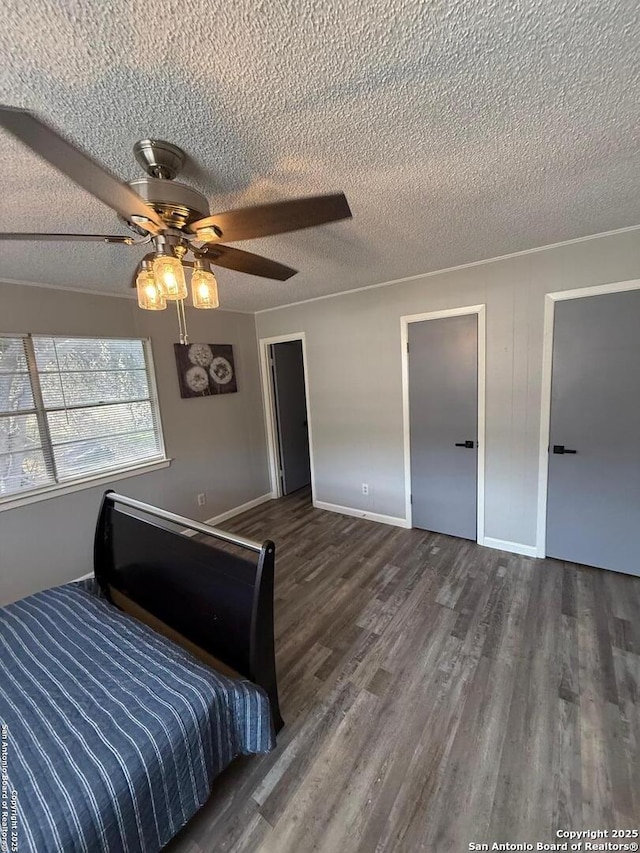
[(184, 322), (180, 322)]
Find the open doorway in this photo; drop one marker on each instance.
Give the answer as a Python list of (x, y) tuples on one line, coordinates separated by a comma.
[(286, 410)]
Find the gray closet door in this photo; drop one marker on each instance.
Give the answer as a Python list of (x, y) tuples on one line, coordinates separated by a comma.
[(593, 500), (291, 415), (443, 420)]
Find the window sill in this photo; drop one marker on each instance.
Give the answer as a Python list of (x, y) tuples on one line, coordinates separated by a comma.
[(15, 501)]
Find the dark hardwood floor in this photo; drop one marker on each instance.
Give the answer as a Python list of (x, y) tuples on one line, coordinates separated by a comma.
[(435, 693)]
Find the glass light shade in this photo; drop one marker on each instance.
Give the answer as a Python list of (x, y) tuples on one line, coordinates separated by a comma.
[(204, 289), (149, 297), (169, 275)]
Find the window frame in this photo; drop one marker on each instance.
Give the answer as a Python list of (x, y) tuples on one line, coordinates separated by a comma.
[(93, 478)]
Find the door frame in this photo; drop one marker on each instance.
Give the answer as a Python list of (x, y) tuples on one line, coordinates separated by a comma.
[(269, 407), (480, 311), (550, 300)]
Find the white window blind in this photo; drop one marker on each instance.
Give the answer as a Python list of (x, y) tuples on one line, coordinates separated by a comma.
[(72, 408)]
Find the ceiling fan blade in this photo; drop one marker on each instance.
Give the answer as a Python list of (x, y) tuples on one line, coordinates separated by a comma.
[(278, 218), (92, 238), (237, 259), (78, 166)]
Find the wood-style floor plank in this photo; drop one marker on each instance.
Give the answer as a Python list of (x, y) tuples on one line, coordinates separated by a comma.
[(435, 693)]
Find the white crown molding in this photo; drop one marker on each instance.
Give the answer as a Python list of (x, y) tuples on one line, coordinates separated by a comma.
[(65, 287), (471, 264), (404, 280), (99, 293)]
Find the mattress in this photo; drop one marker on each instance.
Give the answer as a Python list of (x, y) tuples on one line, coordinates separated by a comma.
[(111, 734)]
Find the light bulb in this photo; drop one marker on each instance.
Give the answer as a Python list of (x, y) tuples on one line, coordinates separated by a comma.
[(204, 289), (149, 296), (169, 276)]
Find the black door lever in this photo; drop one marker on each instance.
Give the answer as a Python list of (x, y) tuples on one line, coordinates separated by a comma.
[(561, 449), (469, 444)]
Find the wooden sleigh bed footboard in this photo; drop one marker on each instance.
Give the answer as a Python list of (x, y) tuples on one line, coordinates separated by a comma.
[(214, 600)]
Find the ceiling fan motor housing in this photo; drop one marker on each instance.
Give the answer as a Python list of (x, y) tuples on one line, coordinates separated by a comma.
[(177, 204)]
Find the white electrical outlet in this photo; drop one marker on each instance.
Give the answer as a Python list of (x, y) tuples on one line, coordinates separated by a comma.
[(365, 488), (202, 499)]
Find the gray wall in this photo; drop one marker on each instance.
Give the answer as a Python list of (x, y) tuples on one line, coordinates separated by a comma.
[(353, 350), (353, 344), (217, 444)]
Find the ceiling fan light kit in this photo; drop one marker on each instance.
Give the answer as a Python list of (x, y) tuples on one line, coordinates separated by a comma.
[(172, 215), (149, 296), (168, 272), (204, 287)]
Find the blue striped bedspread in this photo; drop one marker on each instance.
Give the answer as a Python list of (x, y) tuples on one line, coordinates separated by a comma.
[(111, 734)]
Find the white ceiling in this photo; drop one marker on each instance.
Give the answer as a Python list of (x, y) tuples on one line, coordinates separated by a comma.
[(458, 129)]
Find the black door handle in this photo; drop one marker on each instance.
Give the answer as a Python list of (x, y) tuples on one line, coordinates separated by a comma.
[(561, 449), (469, 444)]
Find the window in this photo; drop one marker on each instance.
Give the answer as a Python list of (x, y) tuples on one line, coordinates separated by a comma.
[(73, 408)]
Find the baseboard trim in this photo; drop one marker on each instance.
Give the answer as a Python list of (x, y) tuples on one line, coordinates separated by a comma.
[(511, 547), (362, 513), (230, 513)]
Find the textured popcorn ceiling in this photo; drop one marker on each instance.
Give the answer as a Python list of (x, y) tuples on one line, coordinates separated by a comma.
[(458, 129)]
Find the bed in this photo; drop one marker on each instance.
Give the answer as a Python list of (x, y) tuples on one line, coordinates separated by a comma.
[(114, 720)]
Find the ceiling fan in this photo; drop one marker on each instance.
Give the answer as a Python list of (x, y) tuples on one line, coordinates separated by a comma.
[(172, 216)]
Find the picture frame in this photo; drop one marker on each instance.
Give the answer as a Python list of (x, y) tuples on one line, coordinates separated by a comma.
[(205, 370)]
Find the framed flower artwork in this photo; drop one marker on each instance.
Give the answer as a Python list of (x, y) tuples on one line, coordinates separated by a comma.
[(205, 370)]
